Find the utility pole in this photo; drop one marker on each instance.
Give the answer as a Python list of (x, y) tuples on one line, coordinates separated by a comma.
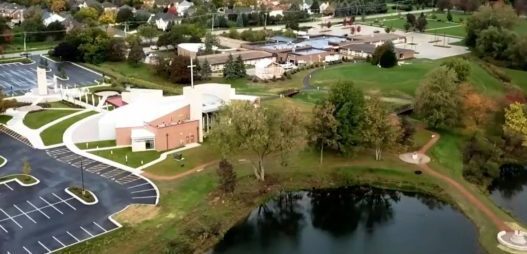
[(25, 36), (212, 24), (191, 66)]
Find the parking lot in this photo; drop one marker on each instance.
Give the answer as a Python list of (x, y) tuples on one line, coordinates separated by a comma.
[(44, 218), (18, 78)]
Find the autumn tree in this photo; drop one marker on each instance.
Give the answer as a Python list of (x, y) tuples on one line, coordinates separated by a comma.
[(58, 5), (437, 98), (460, 66), (26, 167), (261, 131), (227, 176), (516, 119), (349, 112), (323, 128), (380, 129), (475, 109), (147, 31), (107, 17)]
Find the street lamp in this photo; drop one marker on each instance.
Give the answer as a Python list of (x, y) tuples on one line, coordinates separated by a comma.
[(82, 175)]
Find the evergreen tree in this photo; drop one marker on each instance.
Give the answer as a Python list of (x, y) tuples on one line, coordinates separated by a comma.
[(205, 70), (239, 21), (136, 55), (197, 69), (229, 69), (449, 16), (315, 7), (240, 67)]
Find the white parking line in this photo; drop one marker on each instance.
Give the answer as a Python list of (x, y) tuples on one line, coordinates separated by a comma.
[(43, 213), (87, 231), (144, 197), (29, 252), (99, 226), (24, 213), (2, 227), (11, 218), (7, 185), (66, 202), (138, 185), (63, 245), (51, 205), (44, 246), (76, 239), (142, 190)]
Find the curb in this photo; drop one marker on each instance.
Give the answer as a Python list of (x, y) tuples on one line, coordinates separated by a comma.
[(20, 182), (3, 163), (82, 200)]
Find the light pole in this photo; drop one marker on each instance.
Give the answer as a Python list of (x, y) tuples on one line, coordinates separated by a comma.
[(82, 175), (167, 140)]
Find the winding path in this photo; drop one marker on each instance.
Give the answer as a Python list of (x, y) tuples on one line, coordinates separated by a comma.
[(500, 224)]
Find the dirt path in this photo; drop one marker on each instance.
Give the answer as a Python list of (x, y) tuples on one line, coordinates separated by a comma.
[(500, 224), (180, 175)]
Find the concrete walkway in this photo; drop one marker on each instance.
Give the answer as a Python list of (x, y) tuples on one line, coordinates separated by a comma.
[(500, 224)]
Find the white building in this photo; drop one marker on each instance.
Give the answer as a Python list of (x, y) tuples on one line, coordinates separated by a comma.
[(163, 20), (268, 69), (191, 49), (249, 57), (49, 17)]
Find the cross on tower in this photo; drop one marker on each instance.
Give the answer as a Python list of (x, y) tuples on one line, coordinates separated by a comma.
[(191, 66)]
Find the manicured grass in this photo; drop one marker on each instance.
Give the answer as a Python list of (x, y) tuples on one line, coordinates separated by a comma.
[(448, 152), (37, 119), (5, 118), (134, 158), (14, 60), (27, 179), (63, 104), (2, 160), (518, 77), (95, 144), (400, 80), (192, 158), (84, 195), (521, 27), (18, 45), (311, 96), (53, 135)]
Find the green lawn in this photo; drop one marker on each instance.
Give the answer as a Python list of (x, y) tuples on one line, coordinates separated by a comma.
[(18, 45), (37, 119), (518, 77), (448, 152), (95, 144), (134, 158), (2, 160), (399, 81), (192, 158), (14, 60), (53, 135), (5, 118), (63, 104), (521, 28)]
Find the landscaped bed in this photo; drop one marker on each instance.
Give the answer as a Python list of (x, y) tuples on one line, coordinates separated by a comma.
[(5, 118), (25, 179), (119, 155), (96, 144), (59, 104), (37, 119), (53, 135), (3, 161), (86, 195)]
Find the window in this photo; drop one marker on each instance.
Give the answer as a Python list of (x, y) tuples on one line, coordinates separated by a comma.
[(149, 144)]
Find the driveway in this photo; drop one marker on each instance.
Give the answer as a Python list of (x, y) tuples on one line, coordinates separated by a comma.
[(44, 218)]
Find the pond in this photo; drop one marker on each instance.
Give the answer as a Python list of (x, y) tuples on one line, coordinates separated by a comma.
[(510, 191), (352, 220)]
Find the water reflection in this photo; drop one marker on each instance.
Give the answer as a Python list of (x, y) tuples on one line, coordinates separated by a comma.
[(352, 220), (510, 190)]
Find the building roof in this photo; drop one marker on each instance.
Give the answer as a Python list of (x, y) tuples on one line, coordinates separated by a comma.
[(245, 55), (369, 48), (142, 133), (376, 37)]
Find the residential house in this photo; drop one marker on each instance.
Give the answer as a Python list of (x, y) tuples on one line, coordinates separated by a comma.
[(12, 11), (89, 3), (249, 57), (50, 17), (164, 20), (183, 7), (108, 6)]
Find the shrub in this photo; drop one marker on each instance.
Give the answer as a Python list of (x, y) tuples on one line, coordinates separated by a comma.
[(496, 72)]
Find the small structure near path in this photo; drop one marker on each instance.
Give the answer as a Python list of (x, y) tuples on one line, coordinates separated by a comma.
[(414, 158)]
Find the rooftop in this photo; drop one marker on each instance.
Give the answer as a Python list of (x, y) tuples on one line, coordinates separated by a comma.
[(245, 55)]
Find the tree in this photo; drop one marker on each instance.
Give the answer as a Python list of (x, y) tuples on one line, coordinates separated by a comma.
[(205, 71), (349, 112), (229, 69), (227, 176), (323, 128), (87, 15), (407, 27), (410, 19), (56, 30), (136, 55), (58, 5), (449, 16), (239, 21), (210, 41), (476, 109), (124, 15), (460, 66), (239, 66), (444, 4), (66, 51), (26, 167), (437, 99), (518, 53), (516, 119), (179, 71), (116, 50), (481, 160), (147, 31), (380, 129), (384, 55), (499, 16), (315, 7), (107, 17), (407, 132), (495, 43), (421, 23), (241, 126)]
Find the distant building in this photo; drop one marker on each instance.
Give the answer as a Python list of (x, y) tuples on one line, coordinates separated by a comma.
[(191, 49), (249, 57), (164, 20), (49, 17), (378, 38), (363, 51), (12, 11), (268, 69), (147, 120)]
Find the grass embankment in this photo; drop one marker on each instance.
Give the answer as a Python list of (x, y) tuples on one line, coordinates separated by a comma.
[(53, 134), (96, 144), (37, 119), (400, 81), (192, 158), (5, 118), (26, 179), (84, 195), (59, 104), (18, 45), (134, 158), (2, 161), (14, 60)]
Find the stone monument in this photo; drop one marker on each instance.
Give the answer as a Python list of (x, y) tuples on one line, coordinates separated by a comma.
[(42, 82)]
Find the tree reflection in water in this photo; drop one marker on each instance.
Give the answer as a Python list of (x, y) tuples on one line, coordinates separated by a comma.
[(512, 180)]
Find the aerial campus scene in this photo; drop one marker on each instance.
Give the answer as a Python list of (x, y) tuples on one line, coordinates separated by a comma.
[(263, 126)]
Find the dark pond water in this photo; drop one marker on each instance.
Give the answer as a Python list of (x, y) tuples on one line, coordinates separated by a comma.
[(352, 220), (510, 191)]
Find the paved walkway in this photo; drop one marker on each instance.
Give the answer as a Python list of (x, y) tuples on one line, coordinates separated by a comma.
[(500, 224)]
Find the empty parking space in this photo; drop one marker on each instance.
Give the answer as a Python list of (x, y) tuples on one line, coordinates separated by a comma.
[(18, 78)]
